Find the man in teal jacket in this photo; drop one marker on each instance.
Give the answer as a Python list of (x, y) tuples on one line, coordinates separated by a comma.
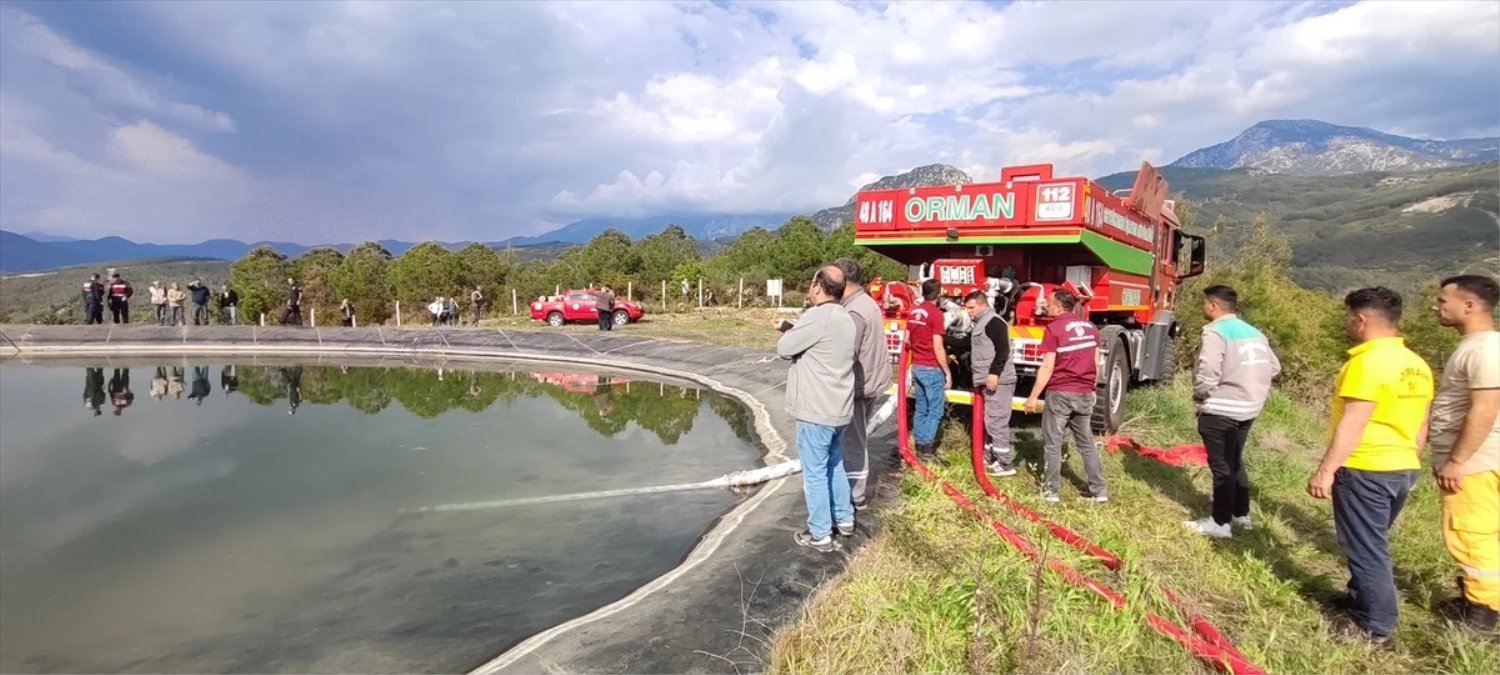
[(1230, 384)]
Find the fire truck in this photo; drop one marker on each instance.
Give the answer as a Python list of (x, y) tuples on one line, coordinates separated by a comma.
[(1123, 253)]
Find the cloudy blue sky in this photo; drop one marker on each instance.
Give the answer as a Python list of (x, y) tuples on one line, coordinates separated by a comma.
[(332, 122)]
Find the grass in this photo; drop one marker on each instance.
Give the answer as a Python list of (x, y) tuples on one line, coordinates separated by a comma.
[(936, 591)]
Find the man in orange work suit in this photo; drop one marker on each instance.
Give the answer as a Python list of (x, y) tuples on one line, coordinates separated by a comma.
[(1465, 446)]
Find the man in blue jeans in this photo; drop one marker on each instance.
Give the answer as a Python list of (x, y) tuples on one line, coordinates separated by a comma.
[(820, 396), (929, 366), (1379, 423)]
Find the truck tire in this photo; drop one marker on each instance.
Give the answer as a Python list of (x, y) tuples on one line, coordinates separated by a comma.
[(1168, 364), (555, 319), (1109, 399), (621, 317)]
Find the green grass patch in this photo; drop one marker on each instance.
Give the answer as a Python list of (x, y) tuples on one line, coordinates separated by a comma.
[(938, 592)]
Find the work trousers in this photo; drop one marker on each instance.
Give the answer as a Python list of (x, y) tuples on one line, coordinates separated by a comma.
[(1471, 530), (855, 447), (176, 318), (119, 309), (1070, 412), (161, 313), (1224, 438), (606, 319), (927, 385), (200, 314), (997, 409), (1365, 506), (292, 315), (93, 313), (228, 316), (825, 486)]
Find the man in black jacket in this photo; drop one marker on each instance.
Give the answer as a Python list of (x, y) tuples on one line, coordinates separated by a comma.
[(119, 299), (229, 302), (93, 300), (293, 313), (199, 294)]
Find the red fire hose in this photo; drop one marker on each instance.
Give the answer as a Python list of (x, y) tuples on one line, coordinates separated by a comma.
[(1212, 647)]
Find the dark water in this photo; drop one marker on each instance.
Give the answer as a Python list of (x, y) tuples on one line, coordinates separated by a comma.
[(179, 519)]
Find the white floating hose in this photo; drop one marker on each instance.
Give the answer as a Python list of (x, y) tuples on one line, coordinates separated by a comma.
[(736, 479)]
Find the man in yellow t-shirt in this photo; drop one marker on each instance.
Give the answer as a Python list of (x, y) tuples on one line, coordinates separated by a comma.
[(1466, 448), (1380, 404)]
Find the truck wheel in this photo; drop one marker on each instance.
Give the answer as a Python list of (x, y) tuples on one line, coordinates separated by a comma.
[(621, 317), (1109, 403), (1168, 364), (555, 319)]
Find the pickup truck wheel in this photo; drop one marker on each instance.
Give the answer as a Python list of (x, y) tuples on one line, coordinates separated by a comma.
[(555, 319), (1109, 403), (622, 317)]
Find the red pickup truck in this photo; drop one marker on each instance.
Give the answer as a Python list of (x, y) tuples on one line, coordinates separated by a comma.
[(557, 310)]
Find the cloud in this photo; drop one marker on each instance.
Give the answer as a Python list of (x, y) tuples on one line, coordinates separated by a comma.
[(323, 122)]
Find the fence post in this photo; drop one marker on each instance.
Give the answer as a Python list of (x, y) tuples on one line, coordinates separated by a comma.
[(353, 321), (514, 307), (663, 296), (398, 313), (700, 292), (630, 290), (262, 319), (742, 293), (313, 315), (557, 290)]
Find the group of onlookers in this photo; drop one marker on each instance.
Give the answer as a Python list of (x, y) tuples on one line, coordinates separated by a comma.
[(1385, 410), (169, 303), (840, 366)]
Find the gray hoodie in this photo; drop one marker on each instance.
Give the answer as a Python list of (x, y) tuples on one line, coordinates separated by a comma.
[(872, 367), (1235, 370), (820, 383)]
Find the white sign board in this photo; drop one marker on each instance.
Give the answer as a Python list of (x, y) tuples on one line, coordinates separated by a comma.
[(773, 288)]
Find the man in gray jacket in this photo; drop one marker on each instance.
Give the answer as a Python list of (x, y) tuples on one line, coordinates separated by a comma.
[(820, 396), (1230, 386), (995, 376), (872, 377)]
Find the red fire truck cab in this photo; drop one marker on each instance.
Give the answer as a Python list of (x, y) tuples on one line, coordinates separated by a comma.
[(1016, 239)]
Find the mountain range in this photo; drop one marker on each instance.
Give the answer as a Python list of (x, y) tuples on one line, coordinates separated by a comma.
[(1289, 148), (1312, 148)]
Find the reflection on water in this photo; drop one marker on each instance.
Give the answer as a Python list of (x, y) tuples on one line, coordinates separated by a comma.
[(203, 528)]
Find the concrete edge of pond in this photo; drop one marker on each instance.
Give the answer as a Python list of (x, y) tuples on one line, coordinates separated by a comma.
[(714, 612)]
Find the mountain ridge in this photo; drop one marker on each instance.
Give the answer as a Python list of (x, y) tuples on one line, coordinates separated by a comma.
[(1314, 148)]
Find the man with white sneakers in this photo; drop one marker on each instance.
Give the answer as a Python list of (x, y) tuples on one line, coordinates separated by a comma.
[(1230, 384)]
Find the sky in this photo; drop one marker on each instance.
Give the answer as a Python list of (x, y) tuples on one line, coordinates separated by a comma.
[(331, 122)]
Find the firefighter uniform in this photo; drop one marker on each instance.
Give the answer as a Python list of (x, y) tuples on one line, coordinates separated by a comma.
[(1471, 514)]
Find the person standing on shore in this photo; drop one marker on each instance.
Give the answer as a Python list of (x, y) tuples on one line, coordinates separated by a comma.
[(476, 300), (820, 396), (872, 378), (175, 298), (93, 300), (1465, 434), (119, 299), (1379, 421), (293, 313), (1230, 384), (200, 302), (930, 376), (604, 304), (229, 303), (159, 302), (1068, 375)]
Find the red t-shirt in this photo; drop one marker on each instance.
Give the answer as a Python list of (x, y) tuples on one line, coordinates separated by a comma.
[(924, 321), (1075, 342)]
